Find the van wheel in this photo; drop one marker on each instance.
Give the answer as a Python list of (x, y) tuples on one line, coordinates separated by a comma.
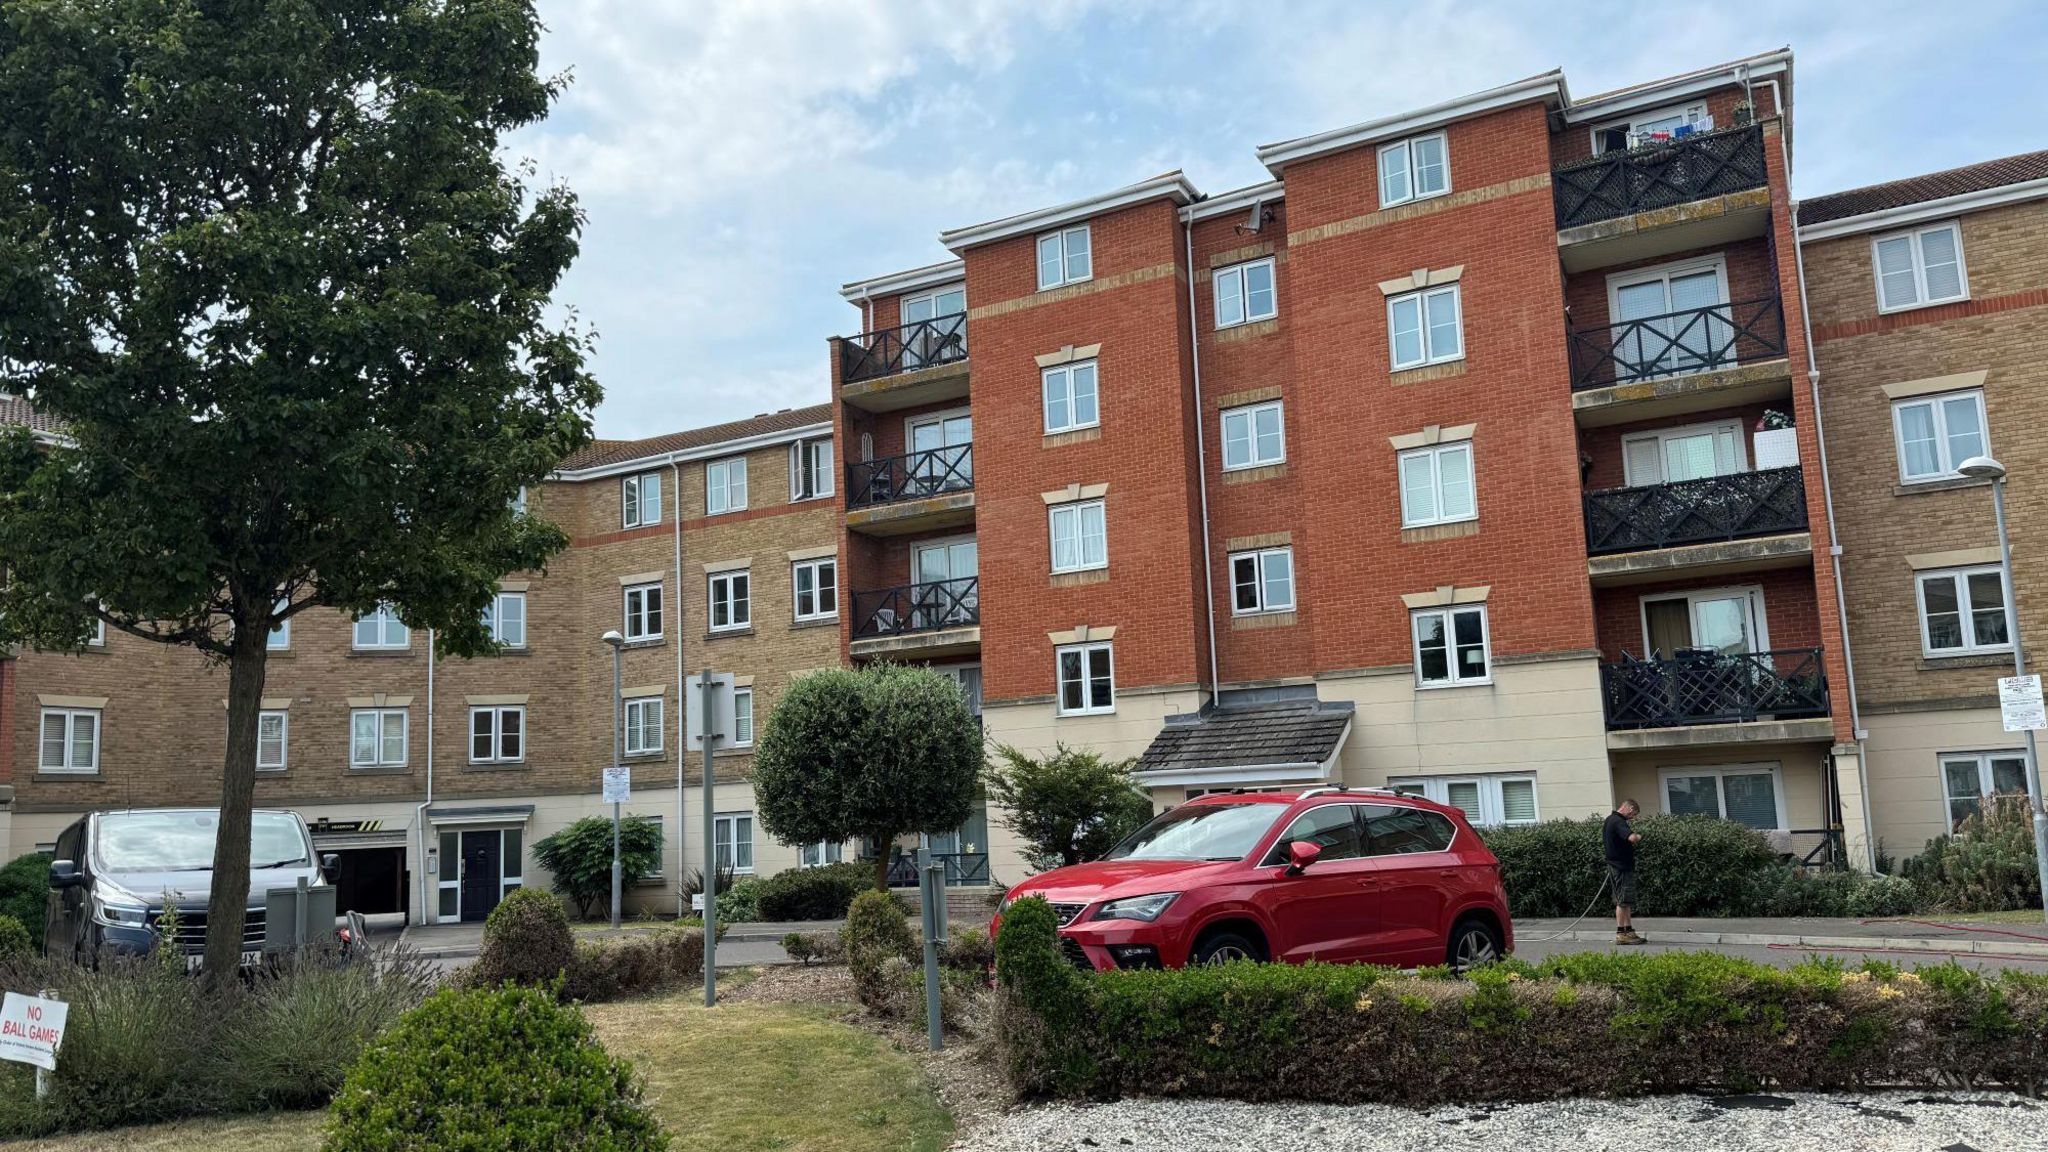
[(1474, 941), (1226, 948)]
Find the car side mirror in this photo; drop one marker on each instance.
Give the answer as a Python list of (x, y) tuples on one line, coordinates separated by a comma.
[(64, 874), (1300, 855), (329, 862)]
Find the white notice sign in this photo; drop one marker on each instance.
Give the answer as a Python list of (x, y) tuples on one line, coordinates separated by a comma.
[(618, 784), (30, 1029), (2019, 704)]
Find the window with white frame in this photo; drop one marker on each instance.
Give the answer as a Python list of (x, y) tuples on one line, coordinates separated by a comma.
[(377, 737), (381, 628), (497, 735), (733, 841), (1437, 486), (1937, 433), (731, 609), (1968, 777), (1963, 611), (99, 634), (815, 588), (1064, 257), (1451, 646), (1645, 127), (725, 485), (1262, 581), (1920, 267), (640, 499), (654, 873), (1080, 536), (1487, 801), (518, 504), (505, 619), (643, 611), (1687, 452), (280, 637), (820, 854), (742, 717), (273, 739), (643, 720), (1087, 679), (1425, 327), (810, 469), (1414, 169), (1253, 436), (1748, 794), (1071, 401), (70, 740), (1244, 293)]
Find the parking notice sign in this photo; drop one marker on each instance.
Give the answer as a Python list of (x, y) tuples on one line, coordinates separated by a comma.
[(2019, 703), (618, 784), (31, 1028)]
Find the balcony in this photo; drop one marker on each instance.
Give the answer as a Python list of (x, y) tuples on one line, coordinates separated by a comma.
[(1693, 192), (1721, 356), (914, 492), (1744, 521), (937, 618), (917, 363), (1739, 697)]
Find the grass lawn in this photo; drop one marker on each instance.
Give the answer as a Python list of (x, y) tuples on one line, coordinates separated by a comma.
[(743, 1076)]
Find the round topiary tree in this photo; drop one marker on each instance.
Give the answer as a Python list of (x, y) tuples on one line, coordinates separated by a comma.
[(526, 941), (490, 1070)]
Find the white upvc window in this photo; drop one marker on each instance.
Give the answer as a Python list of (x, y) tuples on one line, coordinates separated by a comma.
[(280, 638), (505, 619), (814, 588), (1687, 452), (1643, 127), (1451, 646), (497, 735), (643, 720), (1414, 169), (99, 634), (377, 737), (1968, 777), (1253, 436), (1071, 398), (1920, 267), (1963, 611), (381, 629), (1245, 293), (1080, 536), (731, 606), (1262, 581), (1437, 485), (820, 854), (1487, 801), (640, 499), (810, 469), (518, 504), (733, 840), (273, 740), (1937, 433), (1087, 679), (643, 611), (1064, 257), (70, 740), (1426, 327), (742, 717), (725, 485), (1748, 794)]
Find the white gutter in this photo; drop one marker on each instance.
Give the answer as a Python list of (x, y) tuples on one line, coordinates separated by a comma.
[(682, 709), (1549, 87), (1234, 201), (1201, 459), (1676, 88), (1173, 185), (1906, 214), (929, 276), (702, 452)]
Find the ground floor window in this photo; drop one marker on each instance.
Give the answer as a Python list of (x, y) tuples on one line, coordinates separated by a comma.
[(1968, 777), (820, 854), (1748, 794), (733, 840), (1485, 800)]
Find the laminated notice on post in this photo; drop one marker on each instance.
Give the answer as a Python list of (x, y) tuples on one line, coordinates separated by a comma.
[(2019, 704)]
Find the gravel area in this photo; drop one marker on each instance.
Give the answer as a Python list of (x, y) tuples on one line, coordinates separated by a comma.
[(1876, 1122)]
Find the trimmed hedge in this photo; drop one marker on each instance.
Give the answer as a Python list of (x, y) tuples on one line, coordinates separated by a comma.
[(814, 893), (1591, 1024), (636, 964), (526, 941)]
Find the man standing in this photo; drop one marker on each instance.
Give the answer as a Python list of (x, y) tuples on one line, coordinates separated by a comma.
[(1618, 840)]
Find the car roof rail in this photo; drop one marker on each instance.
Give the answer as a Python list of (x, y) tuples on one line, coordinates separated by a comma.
[(1306, 793)]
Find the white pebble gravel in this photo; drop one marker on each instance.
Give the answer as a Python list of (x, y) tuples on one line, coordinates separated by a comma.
[(1876, 1122)]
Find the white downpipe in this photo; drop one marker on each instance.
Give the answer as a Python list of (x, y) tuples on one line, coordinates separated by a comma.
[(676, 485), (428, 909), (1201, 457)]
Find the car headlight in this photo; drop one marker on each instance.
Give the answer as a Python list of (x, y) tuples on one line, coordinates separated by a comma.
[(1146, 908), (119, 912)]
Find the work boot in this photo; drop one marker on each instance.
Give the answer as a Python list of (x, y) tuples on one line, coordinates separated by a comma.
[(1628, 936)]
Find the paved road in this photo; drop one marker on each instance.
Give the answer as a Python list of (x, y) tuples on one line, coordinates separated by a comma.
[(1529, 947)]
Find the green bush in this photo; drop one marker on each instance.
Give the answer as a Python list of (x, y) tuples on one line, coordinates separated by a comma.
[(580, 857), (968, 950), (814, 893), (740, 901), (14, 938), (526, 941), (1685, 866), (302, 1025), (488, 1070), (1987, 865), (1068, 805), (24, 893), (877, 931), (804, 947), (633, 965)]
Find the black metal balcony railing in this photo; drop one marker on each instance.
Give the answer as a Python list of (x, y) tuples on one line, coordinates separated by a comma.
[(932, 472), (962, 868), (1675, 343), (1709, 687), (1730, 507), (1660, 175), (918, 344), (917, 607)]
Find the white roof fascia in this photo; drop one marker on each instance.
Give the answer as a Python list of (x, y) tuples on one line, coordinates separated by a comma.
[(929, 276), (1678, 88), (1235, 774), (1908, 214), (1549, 87), (702, 452), (1236, 201), (1174, 185)]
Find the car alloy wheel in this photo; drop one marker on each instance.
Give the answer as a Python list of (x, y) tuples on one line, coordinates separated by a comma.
[(1474, 947), (1227, 954)]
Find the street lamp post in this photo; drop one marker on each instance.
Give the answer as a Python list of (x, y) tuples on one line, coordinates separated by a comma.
[(616, 642), (1986, 468)]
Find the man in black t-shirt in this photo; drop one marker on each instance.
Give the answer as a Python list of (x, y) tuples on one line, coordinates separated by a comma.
[(1618, 839)]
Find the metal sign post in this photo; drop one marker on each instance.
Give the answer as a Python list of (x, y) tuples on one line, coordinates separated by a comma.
[(931, 891), (618, 789), (711, 714)]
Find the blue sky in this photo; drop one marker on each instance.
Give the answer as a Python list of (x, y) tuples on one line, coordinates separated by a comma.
[(741, 160)]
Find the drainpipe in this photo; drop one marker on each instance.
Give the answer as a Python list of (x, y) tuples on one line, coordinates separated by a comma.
[(1201, 457), (420, 814), (675, 469)]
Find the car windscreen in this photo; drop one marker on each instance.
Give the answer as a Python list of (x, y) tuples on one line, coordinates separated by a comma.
[(1200, 832), (183, 841)]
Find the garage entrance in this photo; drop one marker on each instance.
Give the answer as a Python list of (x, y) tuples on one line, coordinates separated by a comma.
[(370, 880)]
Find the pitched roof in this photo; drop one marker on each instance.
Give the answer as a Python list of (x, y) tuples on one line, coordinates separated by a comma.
[(2019, 169), (15, 410), (602, 452), (1243, 736)]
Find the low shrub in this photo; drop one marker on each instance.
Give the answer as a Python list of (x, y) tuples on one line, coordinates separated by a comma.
[(579, 857), (814, 893), (1685, 866), (300, 1027), (24, 889), (740, 901), (1987, 865), (526, 941), (14, 938), (804, 947), (877, 931), (968, 950), (1787, 891), (633, 965), (485, 1070)]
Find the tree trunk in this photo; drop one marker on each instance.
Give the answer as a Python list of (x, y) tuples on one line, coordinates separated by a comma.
[(885, 848), (227, 907)]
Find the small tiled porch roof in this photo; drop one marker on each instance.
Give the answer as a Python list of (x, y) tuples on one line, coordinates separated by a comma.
[(1278, 741)]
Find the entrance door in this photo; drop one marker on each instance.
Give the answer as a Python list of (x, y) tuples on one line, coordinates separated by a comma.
[(940, 603), (928, 342), (1728, 621), (940, 470), (483, 879), (1669, 321)]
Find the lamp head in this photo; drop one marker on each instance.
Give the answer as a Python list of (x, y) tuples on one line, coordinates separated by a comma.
[(1981, 468), (613, 638)]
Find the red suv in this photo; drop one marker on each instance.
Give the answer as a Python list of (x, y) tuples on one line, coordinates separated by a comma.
[(1331, 874)]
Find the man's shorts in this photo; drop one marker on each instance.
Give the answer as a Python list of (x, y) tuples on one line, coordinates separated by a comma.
[(1623, 882)]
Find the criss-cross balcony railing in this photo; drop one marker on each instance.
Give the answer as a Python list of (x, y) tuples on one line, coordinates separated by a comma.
[(1659, 175), (913, 476), (1676, 343), (1701, 511), (962, 869), (1710, 687), (925, 607), (907, 348)]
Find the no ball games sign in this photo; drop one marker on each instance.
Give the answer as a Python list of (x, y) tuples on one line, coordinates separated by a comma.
[(31, 1028)]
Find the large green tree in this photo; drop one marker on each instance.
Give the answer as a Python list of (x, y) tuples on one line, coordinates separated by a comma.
[(878, 751), (1069, 805), (263, 261)]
